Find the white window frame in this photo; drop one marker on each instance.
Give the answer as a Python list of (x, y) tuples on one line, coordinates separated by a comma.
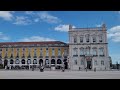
[(75, 39), (53, 52), (47, 52), (81, 39), (75, 51), (81, 51), (59, 52)]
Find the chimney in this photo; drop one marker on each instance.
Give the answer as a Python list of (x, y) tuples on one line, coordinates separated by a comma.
[(104, 27), (70, 27)]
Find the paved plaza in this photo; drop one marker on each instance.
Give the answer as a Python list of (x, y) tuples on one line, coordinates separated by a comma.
[(24, 74)]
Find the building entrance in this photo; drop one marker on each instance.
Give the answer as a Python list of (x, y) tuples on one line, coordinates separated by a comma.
[(89, 65)]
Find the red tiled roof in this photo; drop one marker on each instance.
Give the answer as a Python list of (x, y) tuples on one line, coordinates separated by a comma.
[(28, 43)]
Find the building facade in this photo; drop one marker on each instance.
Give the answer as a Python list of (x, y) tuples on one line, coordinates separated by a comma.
[(88, 48), (49, 53)]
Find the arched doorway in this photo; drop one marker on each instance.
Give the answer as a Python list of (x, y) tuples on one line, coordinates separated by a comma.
[(17, 61), (58, 64), (5, 62), (41, 62), (0, 61), (46, 61), (65, 63), (11, 61), (35, 61), (59, 61), (23, 61), (53, 61), (28, 61)]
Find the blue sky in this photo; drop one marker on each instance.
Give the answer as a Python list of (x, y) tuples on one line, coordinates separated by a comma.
[(53, 25)]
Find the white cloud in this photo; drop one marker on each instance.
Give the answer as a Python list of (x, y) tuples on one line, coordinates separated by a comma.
[(3, 37), (36, 38), (22, 20), (29, 12), (99, 25), (114, 34), (6, 15), (63, 28), (36, 20), (46, 17)]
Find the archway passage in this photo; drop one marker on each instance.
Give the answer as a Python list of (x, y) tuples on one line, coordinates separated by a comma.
[(28, 61), (0, 61), (23, 61), (65, 63), (46, 61), (17, 61), (89, 62), (5, 62), (89, 66), (11, 61), (41, 62), (53, 61), (59, 61), (35, 61)]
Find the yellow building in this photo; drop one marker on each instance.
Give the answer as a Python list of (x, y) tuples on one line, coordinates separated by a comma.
[(33, 53)]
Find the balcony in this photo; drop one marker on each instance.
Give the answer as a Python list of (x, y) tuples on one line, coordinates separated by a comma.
[(101, 55), (65, 56), (82, 55), (52, 56), (75, 55), (59, 56), (95, 55), (29, 56), (46, 56), (40, 56), (23, 56), (6, 57), (34, 56), (17, 56)]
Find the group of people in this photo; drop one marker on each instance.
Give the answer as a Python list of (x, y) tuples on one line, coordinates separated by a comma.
[(41, 67)]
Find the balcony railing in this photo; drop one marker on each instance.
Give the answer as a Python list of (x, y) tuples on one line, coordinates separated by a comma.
[(65, 56), (59, 56), (40, 56), (46, 56), (101, 55), (82, 55), (52, 56), (95, 55), (34, 56), (75, 55)]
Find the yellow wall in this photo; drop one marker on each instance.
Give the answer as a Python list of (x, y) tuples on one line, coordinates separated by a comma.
[(50, 52), (62, 50), (44, 52), (9, 52), (3, 52), (15, 52), (38, 51), (56, 52), (32, 51), (26, 52), (20, 52)]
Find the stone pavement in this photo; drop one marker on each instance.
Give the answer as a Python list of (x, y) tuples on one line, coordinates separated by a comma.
[(26, 74)]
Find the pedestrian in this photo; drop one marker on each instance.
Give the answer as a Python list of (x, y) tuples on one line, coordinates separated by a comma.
[(86, 69), (32, 68), (94, 69), (79, 68)]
